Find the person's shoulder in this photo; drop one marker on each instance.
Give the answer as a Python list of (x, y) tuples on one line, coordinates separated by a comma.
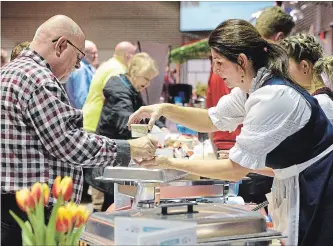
[(28, 70), (116, 85), (278, 98), (324, 100)]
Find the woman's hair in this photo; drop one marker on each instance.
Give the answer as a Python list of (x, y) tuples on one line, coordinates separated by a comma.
[(324, 66), (140, 64), (302, 46), (235, 36), (18, 48)]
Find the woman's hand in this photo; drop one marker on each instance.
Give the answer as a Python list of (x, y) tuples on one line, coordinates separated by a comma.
[(154, 112), (159, 162)]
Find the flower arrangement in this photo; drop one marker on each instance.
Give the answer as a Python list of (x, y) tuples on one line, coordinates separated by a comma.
[(66, 222)]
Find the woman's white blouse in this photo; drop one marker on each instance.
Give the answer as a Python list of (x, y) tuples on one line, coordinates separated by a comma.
[(326, 104), (269, 115)]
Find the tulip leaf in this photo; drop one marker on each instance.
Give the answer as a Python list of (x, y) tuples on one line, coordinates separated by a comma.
[(25, 239), (34, 222), (25, 229), (50, 239)]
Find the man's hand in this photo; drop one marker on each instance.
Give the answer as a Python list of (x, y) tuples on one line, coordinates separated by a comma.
[(159, 162), (143, 148), (154, 112)]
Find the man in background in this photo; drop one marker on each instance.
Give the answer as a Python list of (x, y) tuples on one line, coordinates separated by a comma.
[(116, 65), (93, 107), (78, 84), (273, 24)]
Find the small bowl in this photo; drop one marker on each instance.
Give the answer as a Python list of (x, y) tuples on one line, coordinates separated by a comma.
[(139, 130), (168, 152)]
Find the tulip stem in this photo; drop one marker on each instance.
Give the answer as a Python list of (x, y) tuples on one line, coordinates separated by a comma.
[(76, 235)]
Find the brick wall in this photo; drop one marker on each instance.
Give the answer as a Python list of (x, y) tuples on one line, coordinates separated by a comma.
[(105, 23)]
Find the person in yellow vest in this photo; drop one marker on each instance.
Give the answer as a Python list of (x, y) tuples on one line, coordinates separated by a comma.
[(116, 65), (92, 108)]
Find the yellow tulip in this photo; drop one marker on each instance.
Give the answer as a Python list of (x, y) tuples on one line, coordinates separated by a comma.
[(72, 210), (82, 215), (46, 191), (63, 220), (63, 187), (25, 200)]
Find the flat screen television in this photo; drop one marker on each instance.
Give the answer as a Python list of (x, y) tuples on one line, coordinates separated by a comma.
[(206, 16)]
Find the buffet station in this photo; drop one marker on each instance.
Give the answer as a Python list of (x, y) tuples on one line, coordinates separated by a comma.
[(170, 207), (170, 196)]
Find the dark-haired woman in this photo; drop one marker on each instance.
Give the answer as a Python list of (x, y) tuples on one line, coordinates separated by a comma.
[(283, 129)]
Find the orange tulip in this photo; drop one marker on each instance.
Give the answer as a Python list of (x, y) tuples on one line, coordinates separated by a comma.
[(38, 190), (63, 187), (63, 220), (25, 200), (82, 215)]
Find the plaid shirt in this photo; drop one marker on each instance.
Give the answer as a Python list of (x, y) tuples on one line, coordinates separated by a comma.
[(41, 136)]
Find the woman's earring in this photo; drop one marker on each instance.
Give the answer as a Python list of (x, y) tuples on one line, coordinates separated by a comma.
[(242, 80)]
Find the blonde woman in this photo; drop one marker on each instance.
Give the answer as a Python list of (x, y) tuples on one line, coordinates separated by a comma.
[(122, 98), (310, 70), (323, 71)]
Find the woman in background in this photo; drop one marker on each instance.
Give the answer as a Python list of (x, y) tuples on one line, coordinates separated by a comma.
[(310, 70), (122, 98)]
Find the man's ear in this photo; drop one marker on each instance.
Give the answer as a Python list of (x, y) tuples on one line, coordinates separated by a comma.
[(279, 37), (60, 46)]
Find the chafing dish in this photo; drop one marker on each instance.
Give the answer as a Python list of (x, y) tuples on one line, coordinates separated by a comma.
[(217, 224), (148, 187)]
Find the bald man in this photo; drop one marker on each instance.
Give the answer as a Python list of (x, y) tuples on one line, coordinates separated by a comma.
[(41, 136), (94, 103), (77, 86), (116, 65)]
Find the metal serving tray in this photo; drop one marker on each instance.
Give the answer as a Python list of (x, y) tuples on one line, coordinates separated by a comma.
[(215, 222), (138, 174)]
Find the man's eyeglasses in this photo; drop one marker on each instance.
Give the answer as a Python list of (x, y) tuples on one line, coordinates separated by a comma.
[(79, 58)]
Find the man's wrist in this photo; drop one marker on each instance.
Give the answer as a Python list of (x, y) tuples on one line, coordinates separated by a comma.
[(124, 152), (130, 147)]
